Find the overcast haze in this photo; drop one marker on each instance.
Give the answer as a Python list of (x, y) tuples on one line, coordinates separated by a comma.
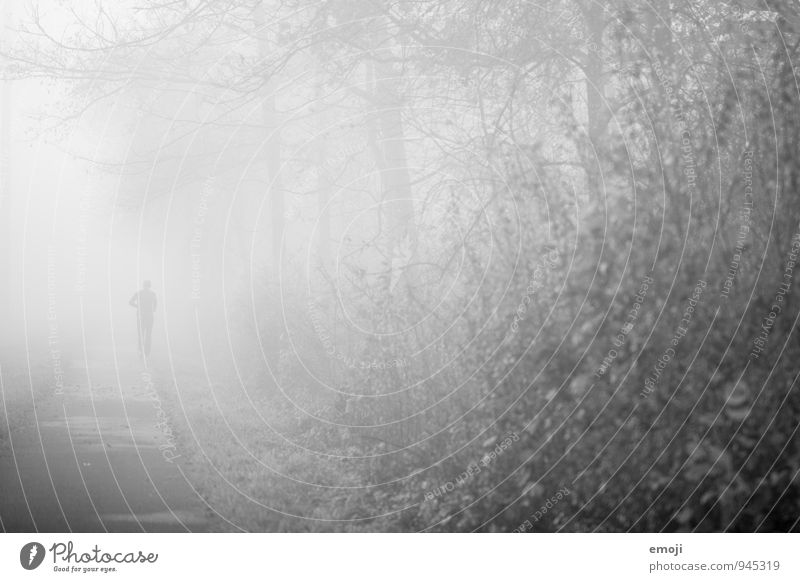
[(355, 265)]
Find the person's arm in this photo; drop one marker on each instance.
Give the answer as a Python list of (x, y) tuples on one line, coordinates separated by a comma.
[(155, 302), (134, 302)]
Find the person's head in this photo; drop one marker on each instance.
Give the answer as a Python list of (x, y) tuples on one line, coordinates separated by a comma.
[(146, 284)]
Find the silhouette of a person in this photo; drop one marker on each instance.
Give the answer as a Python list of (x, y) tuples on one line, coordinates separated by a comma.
[(144, 301)]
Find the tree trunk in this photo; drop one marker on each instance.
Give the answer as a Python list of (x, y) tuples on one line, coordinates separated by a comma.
[(395, 179), (272, 149), (323, 241), (596, 115), (275, 188), (6, 281), (398, 235)]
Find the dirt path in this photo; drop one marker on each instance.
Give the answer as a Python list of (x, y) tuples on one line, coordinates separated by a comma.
[(99, 457)]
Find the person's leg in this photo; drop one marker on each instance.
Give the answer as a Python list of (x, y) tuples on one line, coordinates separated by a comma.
[(148, 332), (139, 338)]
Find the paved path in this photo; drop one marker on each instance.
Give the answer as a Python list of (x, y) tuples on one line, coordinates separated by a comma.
[(99, 458)]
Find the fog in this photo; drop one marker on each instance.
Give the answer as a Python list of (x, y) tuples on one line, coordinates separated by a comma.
[(416, 266)]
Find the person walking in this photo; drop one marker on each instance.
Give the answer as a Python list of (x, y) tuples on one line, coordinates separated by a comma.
[(145, 302)]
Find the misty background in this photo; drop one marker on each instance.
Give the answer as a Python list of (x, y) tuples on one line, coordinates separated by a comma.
[(442, 266)]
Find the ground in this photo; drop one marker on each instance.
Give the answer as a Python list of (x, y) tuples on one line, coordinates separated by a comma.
[(99, 455)]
